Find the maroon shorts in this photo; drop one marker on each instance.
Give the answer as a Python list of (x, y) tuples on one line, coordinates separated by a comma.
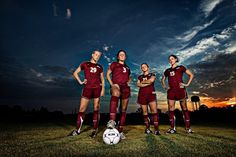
[(124, 91), (91, 93), (145, 99), (177, 94)]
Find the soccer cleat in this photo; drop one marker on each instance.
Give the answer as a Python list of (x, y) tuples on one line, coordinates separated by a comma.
[(74, 133), (171, 131), (111, 124), (94, 133), (148, 131), (157, 132), (122, 136), (189, 131)]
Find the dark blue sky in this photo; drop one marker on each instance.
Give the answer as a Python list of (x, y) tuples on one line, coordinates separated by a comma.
[(43, 42)]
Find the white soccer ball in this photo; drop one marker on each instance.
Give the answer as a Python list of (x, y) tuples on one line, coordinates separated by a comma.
[(111, 136)]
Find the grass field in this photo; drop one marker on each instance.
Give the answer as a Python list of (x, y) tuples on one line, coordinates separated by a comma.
[(50, 139)]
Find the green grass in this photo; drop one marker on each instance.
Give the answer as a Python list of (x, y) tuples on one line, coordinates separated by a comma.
[(50, 139)]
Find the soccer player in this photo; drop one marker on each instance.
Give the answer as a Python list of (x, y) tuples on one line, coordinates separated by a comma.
[(177, 92), (147, 96), (119, 90), (93, 88)]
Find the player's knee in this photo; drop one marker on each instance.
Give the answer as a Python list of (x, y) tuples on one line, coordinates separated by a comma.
[(82, 109), (96, 108), (154, 111), (145, 112), (116, 93)]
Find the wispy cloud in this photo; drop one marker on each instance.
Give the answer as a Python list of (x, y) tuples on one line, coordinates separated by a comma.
[(38, 74), (68, 13), (188, 35), (207, 6), (231, 49), (213, 42), (200, 47), (215, 77), (106, 48), (106, 54)]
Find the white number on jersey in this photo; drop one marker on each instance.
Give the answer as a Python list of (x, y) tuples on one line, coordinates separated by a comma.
[(93, 69), (144, 79), (124, 70)]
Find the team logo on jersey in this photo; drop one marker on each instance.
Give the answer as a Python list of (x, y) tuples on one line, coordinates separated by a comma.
[(172, 73), (145, 78), (93, 69)]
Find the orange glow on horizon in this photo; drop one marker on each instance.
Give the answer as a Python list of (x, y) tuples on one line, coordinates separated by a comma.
[(211, 102)]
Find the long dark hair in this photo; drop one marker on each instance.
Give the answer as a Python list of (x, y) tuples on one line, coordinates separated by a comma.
[(145, 64), (177, 59), (117, 55)]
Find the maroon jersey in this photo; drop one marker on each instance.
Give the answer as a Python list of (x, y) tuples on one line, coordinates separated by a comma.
[(120, 73), (92, 73), (148, 89), (175, 76)]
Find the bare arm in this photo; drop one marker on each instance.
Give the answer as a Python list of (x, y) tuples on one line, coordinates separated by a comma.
[(190, 75), (109, 77), (149, 81), (130, 80), (103, 84), (163, 82), (76, 75), (140, 84)]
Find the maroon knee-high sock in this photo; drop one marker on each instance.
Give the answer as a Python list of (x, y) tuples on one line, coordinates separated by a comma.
[(155, 120), (172, 119), (80, 119), (95, 119), (146, 121), (122, 121), (186, 119), (113, 107)]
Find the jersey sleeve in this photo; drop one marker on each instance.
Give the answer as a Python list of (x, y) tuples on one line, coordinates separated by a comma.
[(183, 68), (140, 78), (101, 68), (112, 66), (129, 71), (166, 73), (82, 65)]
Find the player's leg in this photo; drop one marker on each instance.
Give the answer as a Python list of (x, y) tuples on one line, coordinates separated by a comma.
[(186, 115), (96, 116), (146, 119), (171, 109), (115, 94), (142, 101), (80, 117), (124, 104), (125, 94), (153, 107)]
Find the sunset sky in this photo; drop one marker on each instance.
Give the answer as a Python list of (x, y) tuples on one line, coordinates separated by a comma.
[(43, 42)]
